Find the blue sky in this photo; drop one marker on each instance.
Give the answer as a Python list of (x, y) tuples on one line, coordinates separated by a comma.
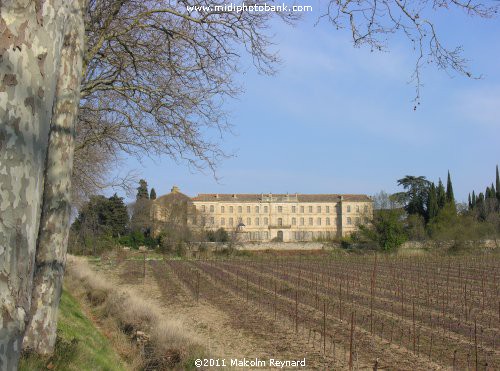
[(338, 119)]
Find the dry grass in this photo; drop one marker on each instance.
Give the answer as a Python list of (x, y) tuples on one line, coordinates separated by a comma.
[(165, 344)]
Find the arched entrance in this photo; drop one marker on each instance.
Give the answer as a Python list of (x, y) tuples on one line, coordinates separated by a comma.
[(280, 236)]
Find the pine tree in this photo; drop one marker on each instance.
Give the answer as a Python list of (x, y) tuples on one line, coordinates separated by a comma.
[(118, 218), (498, 185), (152, 194), (441, 195), (432, 203), (142, 190)]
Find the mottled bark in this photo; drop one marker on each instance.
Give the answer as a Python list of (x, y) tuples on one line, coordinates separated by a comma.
[(52, 241), (31, 40)]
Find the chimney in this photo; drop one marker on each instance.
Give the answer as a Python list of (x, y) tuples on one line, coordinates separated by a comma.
[(174, 189)]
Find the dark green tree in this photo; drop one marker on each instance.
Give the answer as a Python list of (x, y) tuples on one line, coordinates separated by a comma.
[(432, 203), (450, 197), (441, 194), (118, 216), (469, 203), (152, 194), (415, 197), (142, 190), (498, 185), (473, 199)]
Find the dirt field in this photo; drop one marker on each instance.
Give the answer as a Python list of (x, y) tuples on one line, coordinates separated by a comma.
[(354, 312)]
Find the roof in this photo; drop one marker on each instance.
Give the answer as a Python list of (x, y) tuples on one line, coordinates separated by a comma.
[(172, 197), (249, 197)]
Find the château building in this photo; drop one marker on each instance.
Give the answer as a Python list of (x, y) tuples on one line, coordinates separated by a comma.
[(283, 217)]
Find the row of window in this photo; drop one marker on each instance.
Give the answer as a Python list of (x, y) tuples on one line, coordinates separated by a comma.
[(279, 209), (302, 221)]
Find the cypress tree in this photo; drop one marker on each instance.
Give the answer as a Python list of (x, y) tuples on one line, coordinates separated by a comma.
[(152, 194), (480, 199), (498, 185), (492, 191), (450, 197), (142, 190), (487, 193), (470, 202), (473, 199), (441, 195), (432, 203)]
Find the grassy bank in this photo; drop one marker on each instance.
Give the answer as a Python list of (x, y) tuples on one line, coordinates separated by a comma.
[(140, 333), (79, 346)]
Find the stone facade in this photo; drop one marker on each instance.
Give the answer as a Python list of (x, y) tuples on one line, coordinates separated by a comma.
[(282, 217)]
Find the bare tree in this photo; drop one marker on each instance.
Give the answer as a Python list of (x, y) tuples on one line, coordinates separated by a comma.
[(156, 76), (372, 22)]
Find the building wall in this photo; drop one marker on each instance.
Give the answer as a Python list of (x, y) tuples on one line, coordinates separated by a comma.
[(295, 220)]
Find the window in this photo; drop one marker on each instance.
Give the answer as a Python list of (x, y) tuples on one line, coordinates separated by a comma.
[(280, 209), (212, 220), (328, 209), (366, 208), (301, 221), (310, 221), (203, 221), (310, 209), (222, 209), (222, 221), (302, 209), (240, 209), (266, 221), (248, 209), (358, 220), (349, 221), (203, 208), (318, 209), (240, 220), (294, 209), (280, 221), (357, 208), (212, 208), (230, 209), (256, 209), (294, 221), (265, 209), (327, 221), (348, 208), (231, 222), (249, 221), (256, 221), (319, 221)]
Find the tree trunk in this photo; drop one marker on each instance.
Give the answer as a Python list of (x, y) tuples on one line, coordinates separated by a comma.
[(31, 40), (52, 240)]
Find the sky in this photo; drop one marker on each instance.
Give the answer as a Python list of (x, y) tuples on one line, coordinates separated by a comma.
[(339, 119)]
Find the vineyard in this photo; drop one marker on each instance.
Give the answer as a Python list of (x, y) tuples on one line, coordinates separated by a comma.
[(351, 312)]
